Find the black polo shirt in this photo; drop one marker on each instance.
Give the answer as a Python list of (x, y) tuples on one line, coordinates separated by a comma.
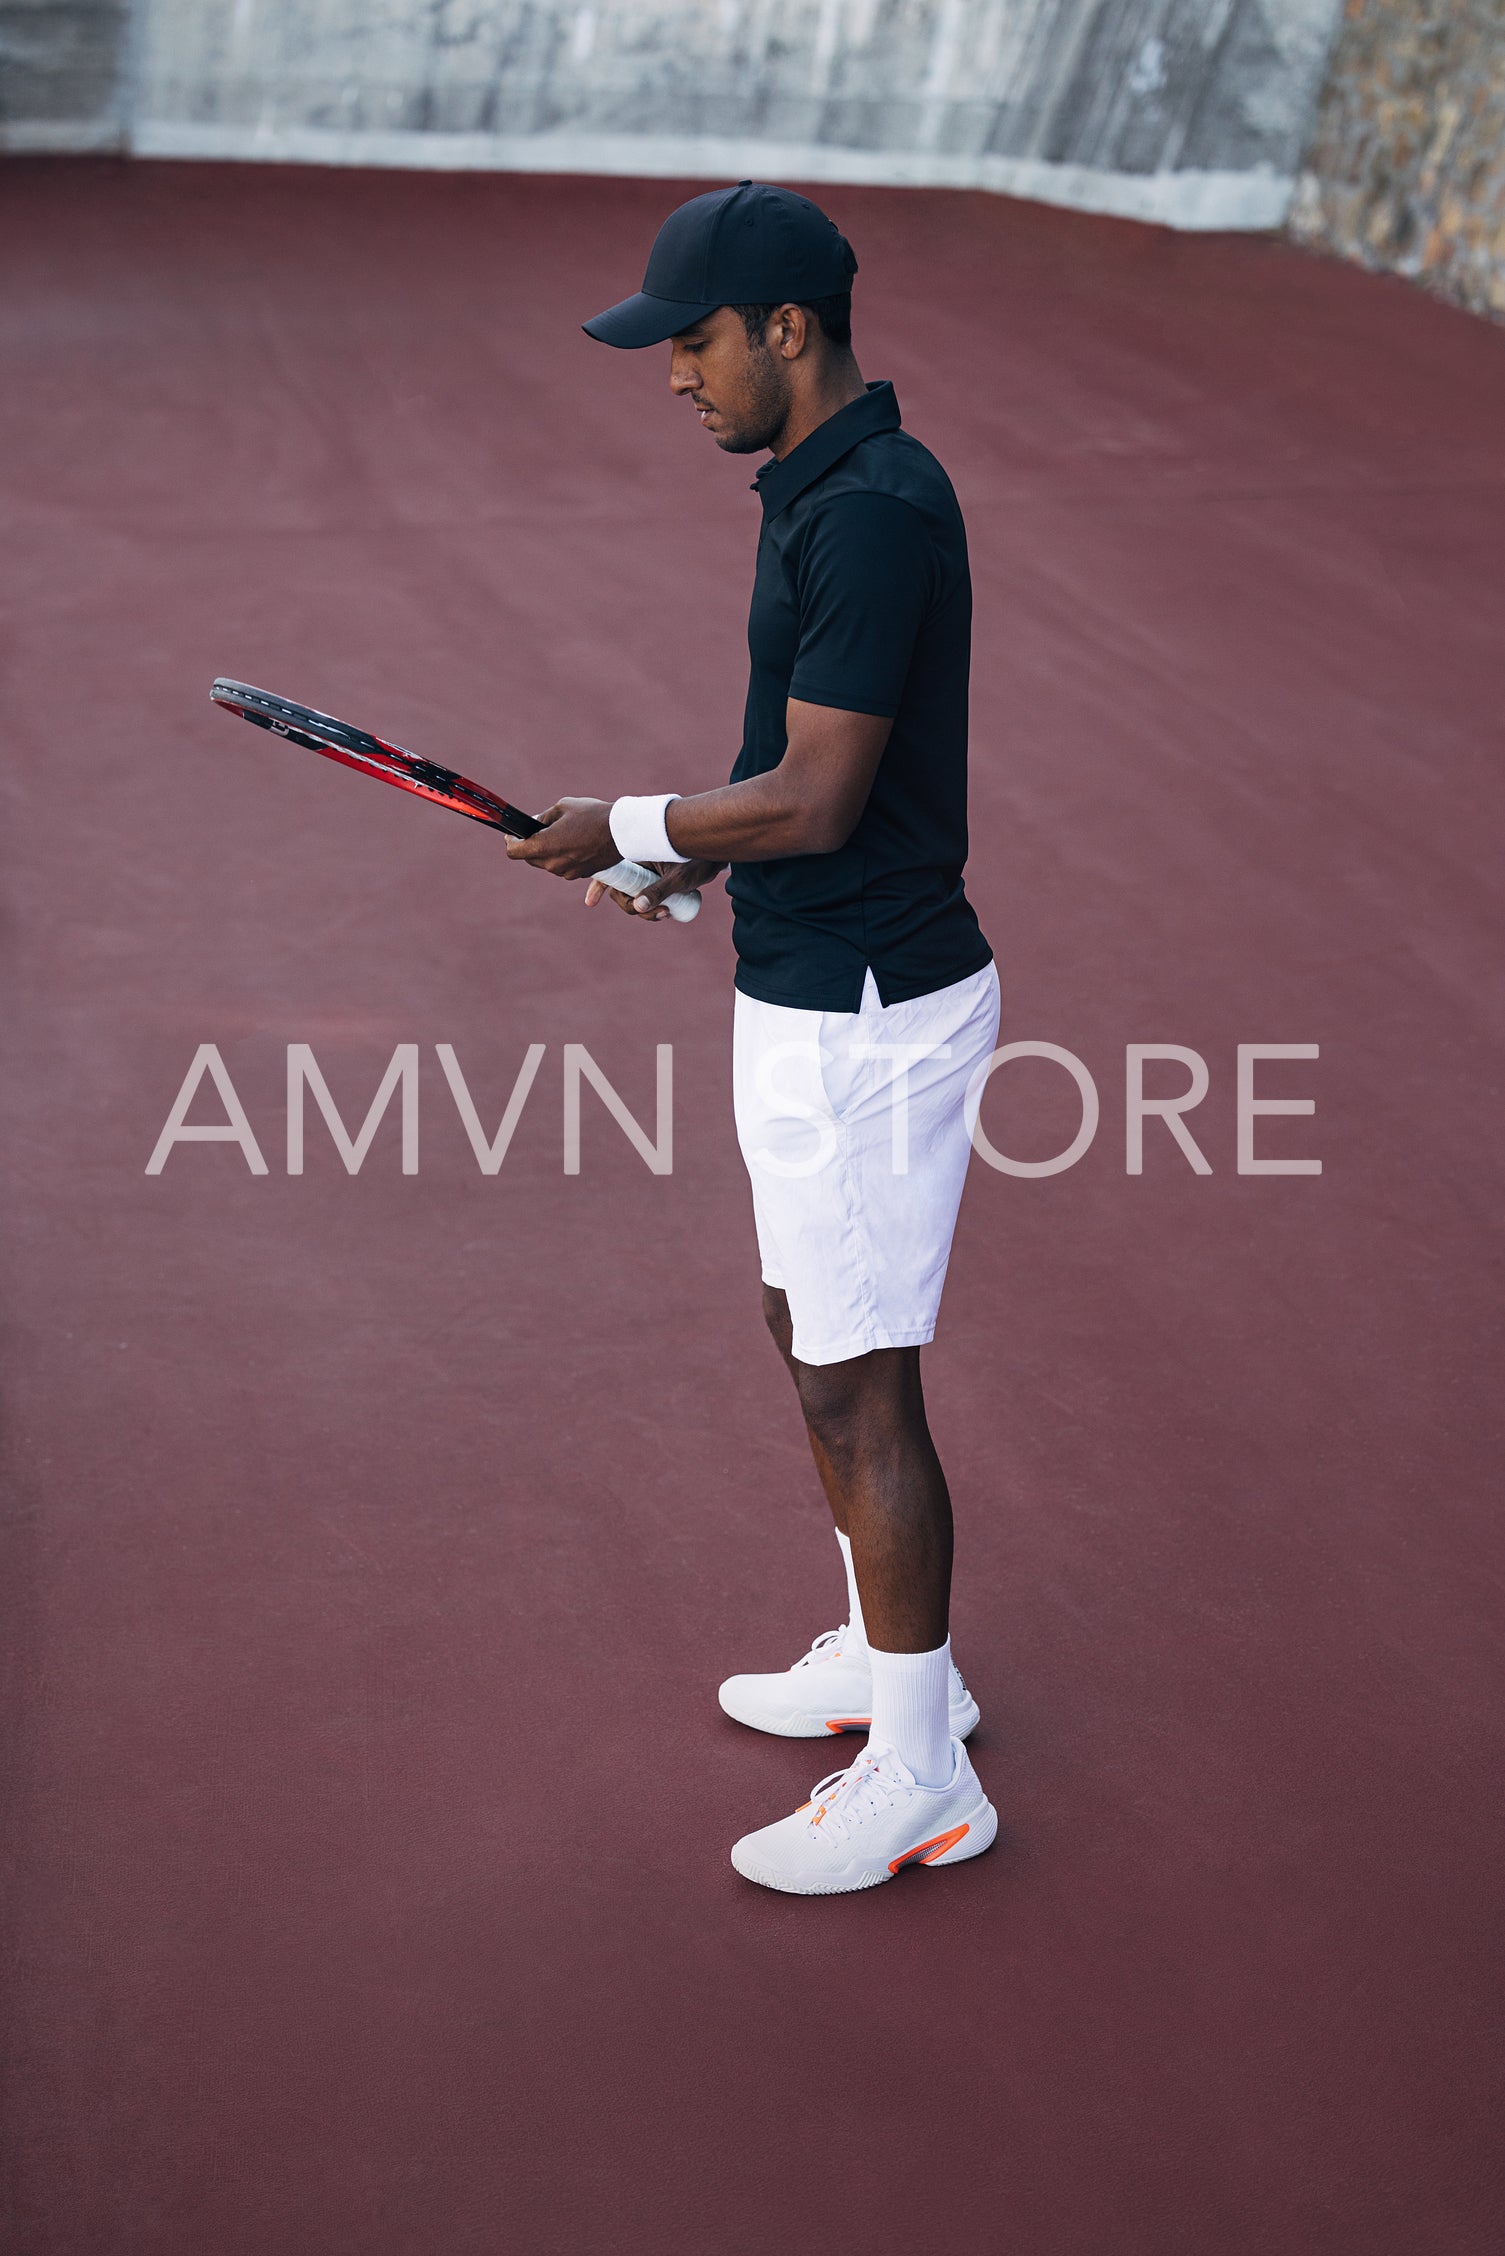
[(862, 600)]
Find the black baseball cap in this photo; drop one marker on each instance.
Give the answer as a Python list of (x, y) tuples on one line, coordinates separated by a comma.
[(748, 245)]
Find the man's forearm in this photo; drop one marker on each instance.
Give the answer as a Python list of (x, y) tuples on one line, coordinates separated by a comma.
[(755, 821), (809, 804)]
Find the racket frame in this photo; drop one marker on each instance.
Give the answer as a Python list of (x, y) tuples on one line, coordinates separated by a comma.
[(358, 748), (409, 771)]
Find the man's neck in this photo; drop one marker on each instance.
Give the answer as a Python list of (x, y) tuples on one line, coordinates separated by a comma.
[(837, 389)]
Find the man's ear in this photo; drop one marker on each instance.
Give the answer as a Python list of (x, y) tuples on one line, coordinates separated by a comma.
[(793, 331)]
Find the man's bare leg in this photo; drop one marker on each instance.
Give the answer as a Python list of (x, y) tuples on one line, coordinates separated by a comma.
[(883, 1481)]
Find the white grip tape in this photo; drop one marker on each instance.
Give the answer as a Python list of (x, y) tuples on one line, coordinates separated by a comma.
[(632, 877)]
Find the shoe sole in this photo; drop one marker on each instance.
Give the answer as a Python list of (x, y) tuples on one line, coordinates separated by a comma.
[(980, 1834), (964, 1722)]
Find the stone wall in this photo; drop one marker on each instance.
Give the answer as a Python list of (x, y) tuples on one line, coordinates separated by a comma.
[(1191, 111), (1407, 168)]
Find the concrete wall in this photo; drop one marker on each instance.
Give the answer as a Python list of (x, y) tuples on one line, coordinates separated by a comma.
[(1190, 111), (1407, 168), (63, 73)]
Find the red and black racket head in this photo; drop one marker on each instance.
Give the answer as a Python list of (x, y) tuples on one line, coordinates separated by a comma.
[(370, 755)]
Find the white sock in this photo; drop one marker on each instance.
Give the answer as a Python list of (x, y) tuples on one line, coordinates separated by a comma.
[(857, 1641), (912, 1710)]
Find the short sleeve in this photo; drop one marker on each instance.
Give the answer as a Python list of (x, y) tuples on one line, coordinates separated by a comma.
[(864, 583)]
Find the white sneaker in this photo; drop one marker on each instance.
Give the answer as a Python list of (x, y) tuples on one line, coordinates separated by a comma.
[(861, 1824), (828, 1689)]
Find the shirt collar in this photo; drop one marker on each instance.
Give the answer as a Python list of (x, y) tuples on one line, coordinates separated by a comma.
[(779, 483)]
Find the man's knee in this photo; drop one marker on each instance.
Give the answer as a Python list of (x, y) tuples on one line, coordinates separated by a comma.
[(851, 1405)]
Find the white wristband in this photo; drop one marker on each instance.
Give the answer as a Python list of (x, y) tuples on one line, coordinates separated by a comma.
[(637, 826)]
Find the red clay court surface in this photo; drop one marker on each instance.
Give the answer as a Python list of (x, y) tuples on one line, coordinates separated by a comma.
[(377, 1544)]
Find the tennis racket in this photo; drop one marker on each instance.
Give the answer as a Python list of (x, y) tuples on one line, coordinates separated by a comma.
[(355, 748)]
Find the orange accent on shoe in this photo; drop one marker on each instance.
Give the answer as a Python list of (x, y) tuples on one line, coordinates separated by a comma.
[(928, 1851), (849, 1723)]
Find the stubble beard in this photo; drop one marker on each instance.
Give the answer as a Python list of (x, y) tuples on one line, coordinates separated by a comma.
[(765, 409)]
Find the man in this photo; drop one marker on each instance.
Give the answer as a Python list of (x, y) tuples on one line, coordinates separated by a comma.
[(866, 995)]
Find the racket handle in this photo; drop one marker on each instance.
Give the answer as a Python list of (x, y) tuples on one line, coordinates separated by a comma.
[(632, 877)]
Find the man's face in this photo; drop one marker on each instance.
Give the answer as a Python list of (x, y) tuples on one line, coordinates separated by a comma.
[(739, 391)]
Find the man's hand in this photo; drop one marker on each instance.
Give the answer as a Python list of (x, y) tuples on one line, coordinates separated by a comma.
[(575, 842), (675, 877)]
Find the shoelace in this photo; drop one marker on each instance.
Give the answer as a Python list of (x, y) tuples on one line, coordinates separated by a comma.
[(866, 1788), (827, 1647)]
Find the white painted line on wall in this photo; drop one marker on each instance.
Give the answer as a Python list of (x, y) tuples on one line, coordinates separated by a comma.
[(1190, 200)]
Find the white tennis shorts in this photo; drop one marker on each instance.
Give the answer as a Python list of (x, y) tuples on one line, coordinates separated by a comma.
[(852, 1126)]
